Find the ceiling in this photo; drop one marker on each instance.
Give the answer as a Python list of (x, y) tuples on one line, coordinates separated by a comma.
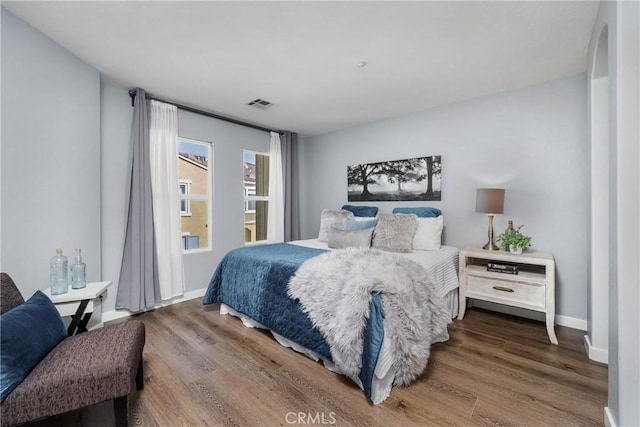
[(303, 56)]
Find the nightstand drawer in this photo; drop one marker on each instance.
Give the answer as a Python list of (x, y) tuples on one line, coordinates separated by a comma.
[(524, 295)]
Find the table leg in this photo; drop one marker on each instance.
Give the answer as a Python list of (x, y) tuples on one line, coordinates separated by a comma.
[(550, 331), (82, 326), (77, 318)]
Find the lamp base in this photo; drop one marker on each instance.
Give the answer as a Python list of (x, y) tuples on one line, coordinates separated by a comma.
[(490, 246)]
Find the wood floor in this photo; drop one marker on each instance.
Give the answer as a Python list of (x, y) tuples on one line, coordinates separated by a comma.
[(204, 369)]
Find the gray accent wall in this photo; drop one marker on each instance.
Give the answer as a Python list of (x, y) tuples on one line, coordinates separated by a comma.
[(50, 182), (533, 142)]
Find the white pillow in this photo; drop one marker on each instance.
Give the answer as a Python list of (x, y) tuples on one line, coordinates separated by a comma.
[(335, 219), (428, 235)]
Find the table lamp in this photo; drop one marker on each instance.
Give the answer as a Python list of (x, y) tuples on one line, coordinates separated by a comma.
[(491, 202)]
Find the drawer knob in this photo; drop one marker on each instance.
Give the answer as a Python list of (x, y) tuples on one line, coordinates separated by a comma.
[(502, 288)]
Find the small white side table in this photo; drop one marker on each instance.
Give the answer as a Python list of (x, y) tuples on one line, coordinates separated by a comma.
[(79, 304)]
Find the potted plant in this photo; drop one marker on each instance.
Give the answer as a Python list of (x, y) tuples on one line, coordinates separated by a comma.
[(514, 240)]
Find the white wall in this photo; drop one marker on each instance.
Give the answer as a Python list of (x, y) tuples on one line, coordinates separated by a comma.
[(65, 155), (229, 141), (601, 244), (116, 116), (50, 156), (622, 20), (532, 142)]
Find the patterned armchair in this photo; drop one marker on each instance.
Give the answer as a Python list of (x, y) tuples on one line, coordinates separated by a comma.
[(79, 371)]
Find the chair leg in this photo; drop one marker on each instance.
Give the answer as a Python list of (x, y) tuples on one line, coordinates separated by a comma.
[(121, 411), (140, 376)]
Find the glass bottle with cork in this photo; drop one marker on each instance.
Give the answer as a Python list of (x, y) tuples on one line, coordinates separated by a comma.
[(78, 272), (58, 270)]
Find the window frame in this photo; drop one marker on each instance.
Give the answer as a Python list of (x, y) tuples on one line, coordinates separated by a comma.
[(253, 198), (208, 198), (187, 184)]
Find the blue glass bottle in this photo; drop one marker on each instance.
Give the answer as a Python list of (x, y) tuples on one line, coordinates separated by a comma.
[(78, 272), (58, 268)]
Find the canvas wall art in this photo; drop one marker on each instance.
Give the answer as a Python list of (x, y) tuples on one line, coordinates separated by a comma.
[(416, 179)]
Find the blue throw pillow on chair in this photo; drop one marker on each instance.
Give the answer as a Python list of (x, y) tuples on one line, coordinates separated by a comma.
[(27, 333)]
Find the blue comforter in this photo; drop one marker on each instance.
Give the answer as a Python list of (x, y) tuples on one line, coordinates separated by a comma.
[(254, 281)]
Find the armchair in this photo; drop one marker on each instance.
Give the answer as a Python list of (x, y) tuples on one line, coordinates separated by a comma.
[(79, 371)]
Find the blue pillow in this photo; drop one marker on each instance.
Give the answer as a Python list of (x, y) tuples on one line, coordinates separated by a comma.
[(425, 212), (353, 224), (27, 333), (368, 211)]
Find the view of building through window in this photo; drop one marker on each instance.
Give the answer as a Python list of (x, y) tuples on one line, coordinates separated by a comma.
[(256, 196), (194, 181)]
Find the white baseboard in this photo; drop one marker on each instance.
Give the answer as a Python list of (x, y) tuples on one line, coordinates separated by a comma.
[(119, 314), (608, 418), (569, 322), (595, 353)]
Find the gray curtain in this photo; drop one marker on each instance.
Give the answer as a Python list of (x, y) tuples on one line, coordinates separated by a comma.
[(289, 147), (138, 287)]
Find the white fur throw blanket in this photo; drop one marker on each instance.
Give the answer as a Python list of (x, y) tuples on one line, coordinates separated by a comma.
[(334, 289)]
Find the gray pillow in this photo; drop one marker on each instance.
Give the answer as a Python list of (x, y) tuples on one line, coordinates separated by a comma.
[(339, 239), (336, 219), (395, 232)]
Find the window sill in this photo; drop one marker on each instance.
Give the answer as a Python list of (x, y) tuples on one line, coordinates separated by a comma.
[(195, 251), (261, 242)]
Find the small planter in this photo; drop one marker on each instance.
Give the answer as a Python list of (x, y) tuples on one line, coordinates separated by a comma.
[(514, 241), (516, 250)]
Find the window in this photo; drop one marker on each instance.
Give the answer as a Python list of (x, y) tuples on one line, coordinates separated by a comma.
[(190, 242), (185, 185), (249, 202), (256, 196), (194, 183)]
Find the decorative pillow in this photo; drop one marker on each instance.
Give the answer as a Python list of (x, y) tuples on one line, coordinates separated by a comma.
[(27, 333), (361, 210), (394, 233), (428, 235), (328, 219), (359, 223), (424, 212), (339, 239)]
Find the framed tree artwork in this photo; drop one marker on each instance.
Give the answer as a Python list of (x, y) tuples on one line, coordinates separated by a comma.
[(416, 179)]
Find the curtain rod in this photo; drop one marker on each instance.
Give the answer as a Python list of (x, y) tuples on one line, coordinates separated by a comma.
[(132, 94)]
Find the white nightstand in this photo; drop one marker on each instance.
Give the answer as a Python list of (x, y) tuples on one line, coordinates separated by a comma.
[(79, 304), (533, 288)]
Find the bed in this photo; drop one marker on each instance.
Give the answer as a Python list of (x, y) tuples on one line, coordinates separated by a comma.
[(253, 282), (441, 265)]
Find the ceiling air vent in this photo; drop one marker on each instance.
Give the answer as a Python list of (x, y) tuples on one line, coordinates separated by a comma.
[(260, 104)]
